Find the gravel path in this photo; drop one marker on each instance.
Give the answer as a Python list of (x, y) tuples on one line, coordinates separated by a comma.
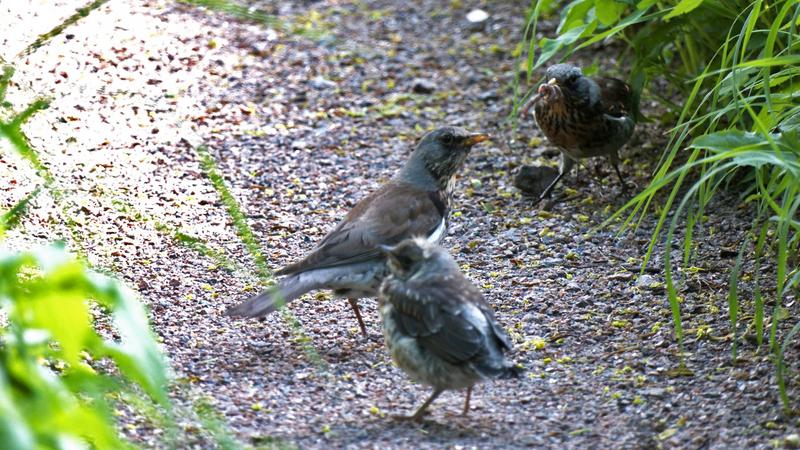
[(304, 119)]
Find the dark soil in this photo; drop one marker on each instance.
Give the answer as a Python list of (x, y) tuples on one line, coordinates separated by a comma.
[(305, 119)]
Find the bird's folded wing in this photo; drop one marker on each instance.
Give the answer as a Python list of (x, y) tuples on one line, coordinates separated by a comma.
[(617, 96), (441, 317), (500, 334), (385, 217)]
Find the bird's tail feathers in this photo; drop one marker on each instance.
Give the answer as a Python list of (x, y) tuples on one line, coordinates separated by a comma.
[(507, 369), (275, 297), (514, 370)]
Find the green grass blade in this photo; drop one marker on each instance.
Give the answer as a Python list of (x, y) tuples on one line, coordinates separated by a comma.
[(246, 234), (79, 14), (780, 367), (733, 296), (11, 218), (234, 211)]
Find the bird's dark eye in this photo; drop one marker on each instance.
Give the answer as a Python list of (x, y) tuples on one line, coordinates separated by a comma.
[(448, 139), (405, 258), (573, 78), (403, 261)]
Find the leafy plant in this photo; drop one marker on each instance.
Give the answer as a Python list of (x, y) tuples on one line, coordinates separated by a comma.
[(59, 378), (734, 68), (55, 374), (51, 391)]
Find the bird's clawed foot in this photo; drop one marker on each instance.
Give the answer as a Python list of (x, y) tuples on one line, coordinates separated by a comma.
[(625, 187), (545, 203), (370, 338), (418, 417), (628, 187)]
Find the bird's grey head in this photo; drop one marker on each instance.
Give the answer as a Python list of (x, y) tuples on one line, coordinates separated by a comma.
[(566, 82), (440, 154), (417, 256)]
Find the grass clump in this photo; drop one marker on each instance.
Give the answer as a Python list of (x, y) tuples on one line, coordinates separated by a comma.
[(733, 72)]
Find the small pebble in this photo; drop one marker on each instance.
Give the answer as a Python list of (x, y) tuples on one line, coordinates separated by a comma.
[(645, 280), (321, 84), (476, 19), (423, 86)]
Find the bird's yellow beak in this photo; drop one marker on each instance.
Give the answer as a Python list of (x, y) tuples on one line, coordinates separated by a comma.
[(475, 138), (552, 82)]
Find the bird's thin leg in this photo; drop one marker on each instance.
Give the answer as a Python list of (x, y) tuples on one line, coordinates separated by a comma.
[(421, 411), (593, 171), (550, 187), (622, 182), (354, 305), (466, 401), (598, 172), (615, 162), (563, 169)]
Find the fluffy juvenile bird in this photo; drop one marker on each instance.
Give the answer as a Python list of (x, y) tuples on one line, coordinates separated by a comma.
[(436, 324), (584, 117), (415, 202)]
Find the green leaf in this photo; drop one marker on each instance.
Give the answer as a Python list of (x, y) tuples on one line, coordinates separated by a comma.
[(636, 17), (551, 46), (14, 433), (574, 15), (49, 391), (57, 303), (733, 296), (608, 11), (87, 422), (787, 60), (683, 7), (727, 140), (137, 353), (645, 4)]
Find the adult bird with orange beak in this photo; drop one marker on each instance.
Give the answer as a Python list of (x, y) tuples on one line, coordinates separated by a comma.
[(349, 260), (584, 117)]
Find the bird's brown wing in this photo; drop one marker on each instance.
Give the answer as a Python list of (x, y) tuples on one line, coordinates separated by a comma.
[(438, 316), (385, 217), (616, 95)]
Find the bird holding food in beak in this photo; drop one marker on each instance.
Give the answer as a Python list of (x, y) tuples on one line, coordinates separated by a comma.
[(584, 117)]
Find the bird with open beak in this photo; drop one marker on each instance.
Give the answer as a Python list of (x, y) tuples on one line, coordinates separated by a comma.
[(348, 261), (584, 117)]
